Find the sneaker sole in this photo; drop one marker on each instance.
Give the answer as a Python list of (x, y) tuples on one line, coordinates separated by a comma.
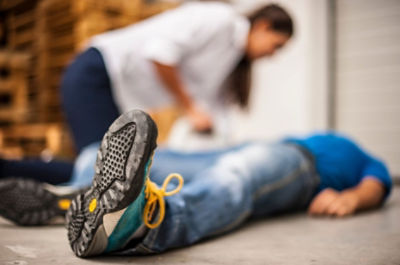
[(28, 202), (120, 168)]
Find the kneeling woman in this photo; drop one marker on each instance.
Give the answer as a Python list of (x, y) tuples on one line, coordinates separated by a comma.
[(197, 56)]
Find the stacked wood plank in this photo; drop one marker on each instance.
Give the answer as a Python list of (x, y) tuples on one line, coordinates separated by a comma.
[(38, 139), (18, 135), (13, 87), (21, 20)]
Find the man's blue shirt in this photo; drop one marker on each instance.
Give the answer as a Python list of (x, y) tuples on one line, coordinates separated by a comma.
[(341, 163)]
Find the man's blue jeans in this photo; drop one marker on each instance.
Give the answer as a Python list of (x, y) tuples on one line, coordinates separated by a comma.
[(223, 188), (83, 171)]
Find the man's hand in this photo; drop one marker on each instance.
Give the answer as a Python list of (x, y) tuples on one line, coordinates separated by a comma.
[(367, 194), (334, 203)]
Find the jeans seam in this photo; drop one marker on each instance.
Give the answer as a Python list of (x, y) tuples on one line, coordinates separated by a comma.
[(232, 225), (151, 238), (281, 182), (145, 250)]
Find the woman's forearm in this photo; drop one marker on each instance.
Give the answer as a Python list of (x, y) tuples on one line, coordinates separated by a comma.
[(169, 75)]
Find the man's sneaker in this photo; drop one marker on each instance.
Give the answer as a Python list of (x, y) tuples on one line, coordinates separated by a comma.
[(122, 202), (28, 202)]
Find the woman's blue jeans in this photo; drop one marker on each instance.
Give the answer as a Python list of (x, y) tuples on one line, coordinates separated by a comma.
[(223, 188)]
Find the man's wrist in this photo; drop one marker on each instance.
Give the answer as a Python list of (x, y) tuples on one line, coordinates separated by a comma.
[(353, 198)]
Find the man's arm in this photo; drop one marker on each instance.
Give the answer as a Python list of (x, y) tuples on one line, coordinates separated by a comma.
[(169, 75), (367, 194)]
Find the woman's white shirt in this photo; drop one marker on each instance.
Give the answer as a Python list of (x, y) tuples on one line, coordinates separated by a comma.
[(204, 40)]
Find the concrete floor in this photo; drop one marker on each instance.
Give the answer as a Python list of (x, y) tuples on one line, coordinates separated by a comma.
[(368, 238)]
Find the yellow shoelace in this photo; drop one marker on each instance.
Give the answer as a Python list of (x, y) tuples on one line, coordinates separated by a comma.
[(155, 195)]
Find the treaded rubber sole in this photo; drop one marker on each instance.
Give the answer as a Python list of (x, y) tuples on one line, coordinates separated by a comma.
[(27, 202), (119, 178)]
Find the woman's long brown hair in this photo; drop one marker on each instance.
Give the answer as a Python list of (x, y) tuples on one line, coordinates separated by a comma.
[(238, 84)]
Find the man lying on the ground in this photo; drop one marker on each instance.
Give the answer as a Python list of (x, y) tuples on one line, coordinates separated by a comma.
[(125, 211)]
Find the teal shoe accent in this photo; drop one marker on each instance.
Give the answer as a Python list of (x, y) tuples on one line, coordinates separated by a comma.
[(130, 221)]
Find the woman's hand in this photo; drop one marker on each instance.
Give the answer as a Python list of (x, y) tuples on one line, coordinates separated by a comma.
[(333, 203), (200, 120), (170, 77)]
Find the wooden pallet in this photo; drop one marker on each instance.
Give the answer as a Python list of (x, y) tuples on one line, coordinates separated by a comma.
[(52, 32), (21, 25), (155, 8), (9, 4), (65, 26), (14, 103), (19, 17), (33, 140), (78, 20), (2, 29)]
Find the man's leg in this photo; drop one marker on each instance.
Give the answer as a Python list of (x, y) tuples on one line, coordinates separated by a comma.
[(112, 210), (257, 179), (218, 199), (121, 201), (27, 198), (187, 164), (28, 202), (83, 171)]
